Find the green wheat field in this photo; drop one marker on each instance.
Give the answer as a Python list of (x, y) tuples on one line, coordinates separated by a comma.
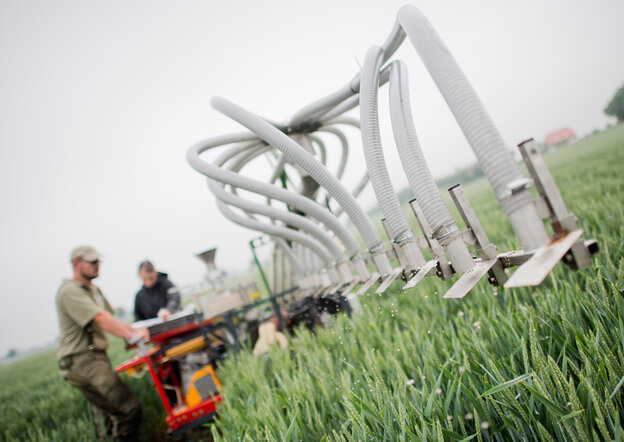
[(544, 363)]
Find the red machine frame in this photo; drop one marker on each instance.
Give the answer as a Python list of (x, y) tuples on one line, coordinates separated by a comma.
[(181, 417)]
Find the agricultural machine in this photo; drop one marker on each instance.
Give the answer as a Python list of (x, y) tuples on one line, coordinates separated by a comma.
[(181, 364), (183, 352), (301, 203), (302, 207)]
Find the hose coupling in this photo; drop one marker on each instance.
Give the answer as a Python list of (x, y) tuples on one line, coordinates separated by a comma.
[(445, 233), (379, 248), (403, 236)]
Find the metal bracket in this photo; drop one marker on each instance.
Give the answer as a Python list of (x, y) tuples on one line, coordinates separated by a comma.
[(333, 289), (514, 258), (398, 253), (485, 248), (469, 279), (497, 275), (544, 183), (349, 287), (581, 253), (544, 259), (389, 279), (434, 246), (369, 283), (429, 269), (551, 202)]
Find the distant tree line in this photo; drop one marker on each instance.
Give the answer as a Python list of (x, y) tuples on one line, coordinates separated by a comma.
[(11, 353), (615, 108)]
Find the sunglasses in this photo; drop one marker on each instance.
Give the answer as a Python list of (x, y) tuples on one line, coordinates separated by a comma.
[(97, 261)]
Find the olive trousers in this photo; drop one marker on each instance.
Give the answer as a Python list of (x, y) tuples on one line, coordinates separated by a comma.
[(93, 374)]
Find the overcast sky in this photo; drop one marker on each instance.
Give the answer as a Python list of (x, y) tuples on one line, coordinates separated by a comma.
[(99, 102)]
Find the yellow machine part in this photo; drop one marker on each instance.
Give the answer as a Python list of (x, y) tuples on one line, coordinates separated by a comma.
[(137, 371), (193, 397), (189, 346)]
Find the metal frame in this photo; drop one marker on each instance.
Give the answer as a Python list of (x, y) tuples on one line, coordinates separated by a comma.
[(160, 369), (567, 245)]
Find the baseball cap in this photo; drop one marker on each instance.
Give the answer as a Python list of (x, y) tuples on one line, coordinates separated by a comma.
[(86, 253)]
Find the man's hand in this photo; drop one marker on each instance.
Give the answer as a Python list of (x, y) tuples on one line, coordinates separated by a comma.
[(164, 314), (140, 332), (113, 325)]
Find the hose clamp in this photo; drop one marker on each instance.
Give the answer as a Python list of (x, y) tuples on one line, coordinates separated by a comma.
[(443, 233), (379, 248), (403, 236)]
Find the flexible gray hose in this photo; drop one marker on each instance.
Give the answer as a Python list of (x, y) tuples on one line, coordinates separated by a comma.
[(445, 229), (345, 106), (299, 156), (270, 211), (278, 214), (364, 179), (319, 109), (310, 140), (324, 104), (315, 145), (330, 126), (273, 230), (237, 160), (243, 158), (277, 170), (274, 192), (359, 187), (393, 42), (278, 240), (418, 174), (344, 153), (292, 259), (343, 119), (496, 161), (397, 223), (304, 257), (237, 157), (239, 148)]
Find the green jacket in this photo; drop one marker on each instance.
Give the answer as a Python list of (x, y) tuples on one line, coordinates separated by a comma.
[(77, 305)]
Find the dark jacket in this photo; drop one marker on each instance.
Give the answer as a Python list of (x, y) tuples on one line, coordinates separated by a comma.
[(163, 294)]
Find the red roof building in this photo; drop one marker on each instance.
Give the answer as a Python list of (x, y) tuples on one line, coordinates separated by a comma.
[(560, 137)]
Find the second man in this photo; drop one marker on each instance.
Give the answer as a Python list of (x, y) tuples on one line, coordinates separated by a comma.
[(158, 297)]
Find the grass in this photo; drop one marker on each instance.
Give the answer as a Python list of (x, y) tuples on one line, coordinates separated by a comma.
[(543, 363), (37, 405)]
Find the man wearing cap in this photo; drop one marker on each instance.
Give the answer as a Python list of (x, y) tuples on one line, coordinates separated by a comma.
[(84, 316)]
